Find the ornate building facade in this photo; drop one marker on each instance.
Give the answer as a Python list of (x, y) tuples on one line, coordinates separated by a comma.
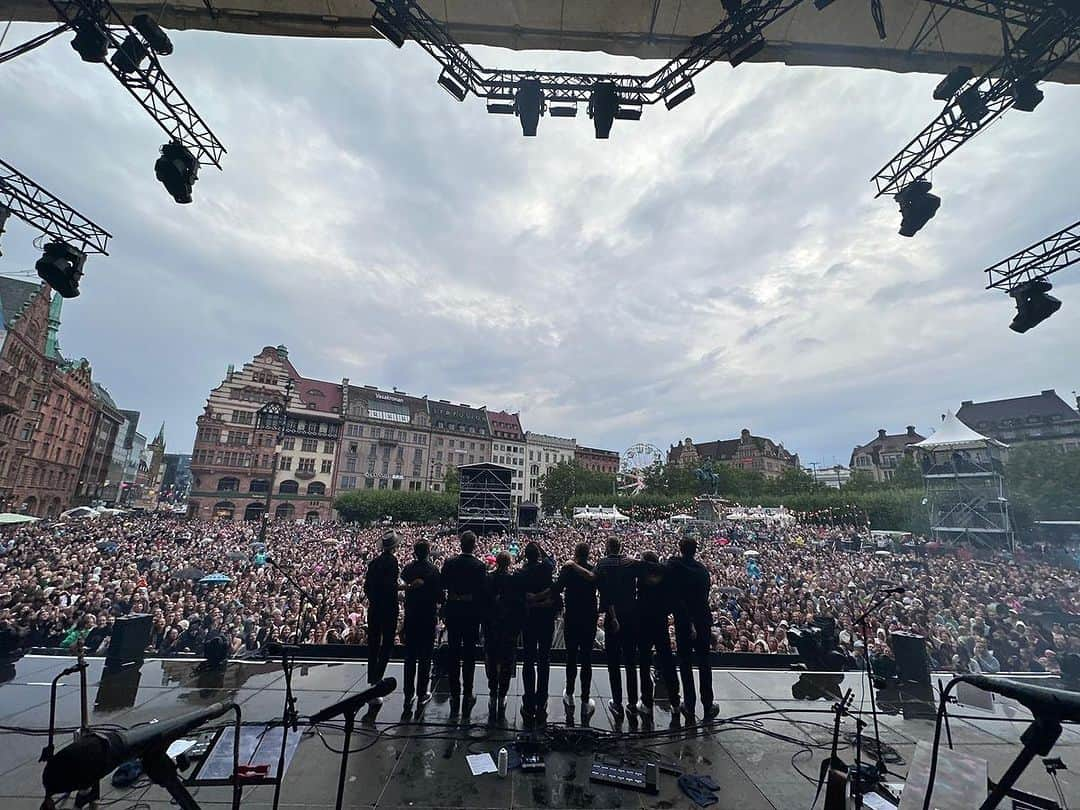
[(544, 452), (385, 440), (590, 458), (879, 456), (508, 449), (748, 452), (459, 435), (1043, 419)]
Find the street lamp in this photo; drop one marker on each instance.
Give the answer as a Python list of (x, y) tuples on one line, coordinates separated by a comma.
[(273, 414)]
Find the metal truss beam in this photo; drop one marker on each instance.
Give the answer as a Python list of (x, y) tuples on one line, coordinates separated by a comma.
[(1013, 12), (38, 208), (1047, 36), (150, 85), (1036, 261), (723, 41)]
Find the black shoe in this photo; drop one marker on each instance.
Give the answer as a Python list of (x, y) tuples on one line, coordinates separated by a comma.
[(615, 708), (423, 700), (712, 711), (688, 712), (527, 715), (467, 703), (455, 705)]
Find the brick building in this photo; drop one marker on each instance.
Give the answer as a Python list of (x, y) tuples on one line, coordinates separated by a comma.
[(589, 458), (385, 440), (880, 455), (508, 449), (1043, 419), (98, 457), (748, 452), (459, 435), (305, 477)]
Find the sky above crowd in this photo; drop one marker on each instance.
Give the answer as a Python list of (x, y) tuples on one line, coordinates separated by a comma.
[(720, 266)]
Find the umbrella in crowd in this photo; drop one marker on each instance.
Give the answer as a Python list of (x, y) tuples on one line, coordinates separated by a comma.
[(215, 579), (191, 573), (10, 518)]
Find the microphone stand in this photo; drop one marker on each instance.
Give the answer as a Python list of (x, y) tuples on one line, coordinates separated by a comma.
[(292, 583), (289, 717), (880, 765)]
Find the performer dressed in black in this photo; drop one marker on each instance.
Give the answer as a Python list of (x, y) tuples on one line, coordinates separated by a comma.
[(656, 603), (381, 590), (423, 592), (617, 583), (463, 577), (579, 623), (505, 610), (693, 627), (541, 605)]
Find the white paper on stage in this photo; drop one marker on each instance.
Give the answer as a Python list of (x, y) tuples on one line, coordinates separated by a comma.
[(481, 763), (960, 782)]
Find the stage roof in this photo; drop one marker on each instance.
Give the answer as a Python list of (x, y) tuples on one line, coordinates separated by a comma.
[(921, 37)]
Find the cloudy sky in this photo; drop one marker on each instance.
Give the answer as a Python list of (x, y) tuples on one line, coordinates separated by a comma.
[(720, 266)]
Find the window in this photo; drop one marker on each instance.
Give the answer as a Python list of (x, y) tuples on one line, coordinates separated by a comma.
[(316, 488), (258, 485), (305, 465), (369, 483), (416, 471), (228, 484), (372, 451), (348, 482), (288, 443), (382, 483), (289, 488), (328, 447), (285, 463), (327, 465), (242, 417), (309, 445)]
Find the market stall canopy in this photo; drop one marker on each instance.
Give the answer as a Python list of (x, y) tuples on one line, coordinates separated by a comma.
[(920, 36), (11, 518), (953, 434), (598, 513)]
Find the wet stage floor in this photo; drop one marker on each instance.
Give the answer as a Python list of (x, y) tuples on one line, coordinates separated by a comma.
[(421, 763)]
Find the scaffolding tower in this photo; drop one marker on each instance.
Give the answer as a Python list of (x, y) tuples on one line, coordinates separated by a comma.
[(965, 486), (484, 502)]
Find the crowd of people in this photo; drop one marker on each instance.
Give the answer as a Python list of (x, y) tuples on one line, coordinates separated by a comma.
[(61, 583)]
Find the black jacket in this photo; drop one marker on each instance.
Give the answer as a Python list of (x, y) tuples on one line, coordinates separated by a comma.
[(423, 600), (463, 577), (617, 584), (579, 594), (381, 581), (690, 581)]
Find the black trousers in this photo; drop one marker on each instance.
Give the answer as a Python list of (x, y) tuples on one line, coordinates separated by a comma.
[(500, 652), (462, 633), (580, 636), (653, 635), (620, 647), (536, 635), (693, 635), (419, 632), (381, 629)]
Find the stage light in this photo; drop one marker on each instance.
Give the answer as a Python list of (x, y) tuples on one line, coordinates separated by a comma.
[(1033, 304), (917, 206), (61, 267), (628, 113), (953, 81), (821, 5), (679, 95), (130, 54), (603, 105), (972, 105), (529, 105), (177, 169), (500, 108), (387, 30), (5, 212), (747, 51), (1026, 95), (563, 111), (91, 41), (153, 34), (452, 85)]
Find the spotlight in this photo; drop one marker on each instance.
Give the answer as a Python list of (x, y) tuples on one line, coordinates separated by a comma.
[(821, 5), (91, 41), (1026, 95), (917, 206), (61, 267), (529, 105), (1033, 304), (387, 30), (130, 54), (679, 95), (972, 105), (563, 111), (453, 85), (500, 108), (177, 169), (152, 33), (628, 113), (603, 105), (747, 50), (5, 212), (953, 81)]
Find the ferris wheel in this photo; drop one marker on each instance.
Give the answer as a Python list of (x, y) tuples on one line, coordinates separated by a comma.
[(636, 461)]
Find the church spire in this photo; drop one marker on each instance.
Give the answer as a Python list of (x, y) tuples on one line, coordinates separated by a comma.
[(160, 438)]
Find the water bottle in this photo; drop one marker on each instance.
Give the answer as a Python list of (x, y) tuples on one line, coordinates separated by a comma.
[(504, 762)]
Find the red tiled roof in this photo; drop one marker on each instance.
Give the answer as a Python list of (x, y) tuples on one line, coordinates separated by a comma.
[(325, 396)]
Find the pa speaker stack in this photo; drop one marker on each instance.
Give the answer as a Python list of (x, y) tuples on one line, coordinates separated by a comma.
[(913, 673), (128, 642)]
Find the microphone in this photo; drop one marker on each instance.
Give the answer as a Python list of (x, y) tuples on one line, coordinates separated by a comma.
[(352, 704), (1040, 700), (93, 756)]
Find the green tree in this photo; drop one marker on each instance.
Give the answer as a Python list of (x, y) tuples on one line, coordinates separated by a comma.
[(558, 485), (1044, 481), (793, 482), (861, 481), (452, 481), (906, 475), (369, 505)]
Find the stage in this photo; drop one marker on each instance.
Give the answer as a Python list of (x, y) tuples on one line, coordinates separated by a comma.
[(421, 763)]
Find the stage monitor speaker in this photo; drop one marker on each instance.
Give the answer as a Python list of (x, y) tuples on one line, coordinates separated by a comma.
[(912, 661), (129, 639)]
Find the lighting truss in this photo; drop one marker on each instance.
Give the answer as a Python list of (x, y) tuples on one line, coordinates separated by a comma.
[(1036, 261), (1037, 36), (726, 40), (38, 208), (149, 84)]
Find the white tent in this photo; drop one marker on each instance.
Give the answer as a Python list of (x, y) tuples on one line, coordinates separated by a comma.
[(955, 435), (680, 518), (609, 513)]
